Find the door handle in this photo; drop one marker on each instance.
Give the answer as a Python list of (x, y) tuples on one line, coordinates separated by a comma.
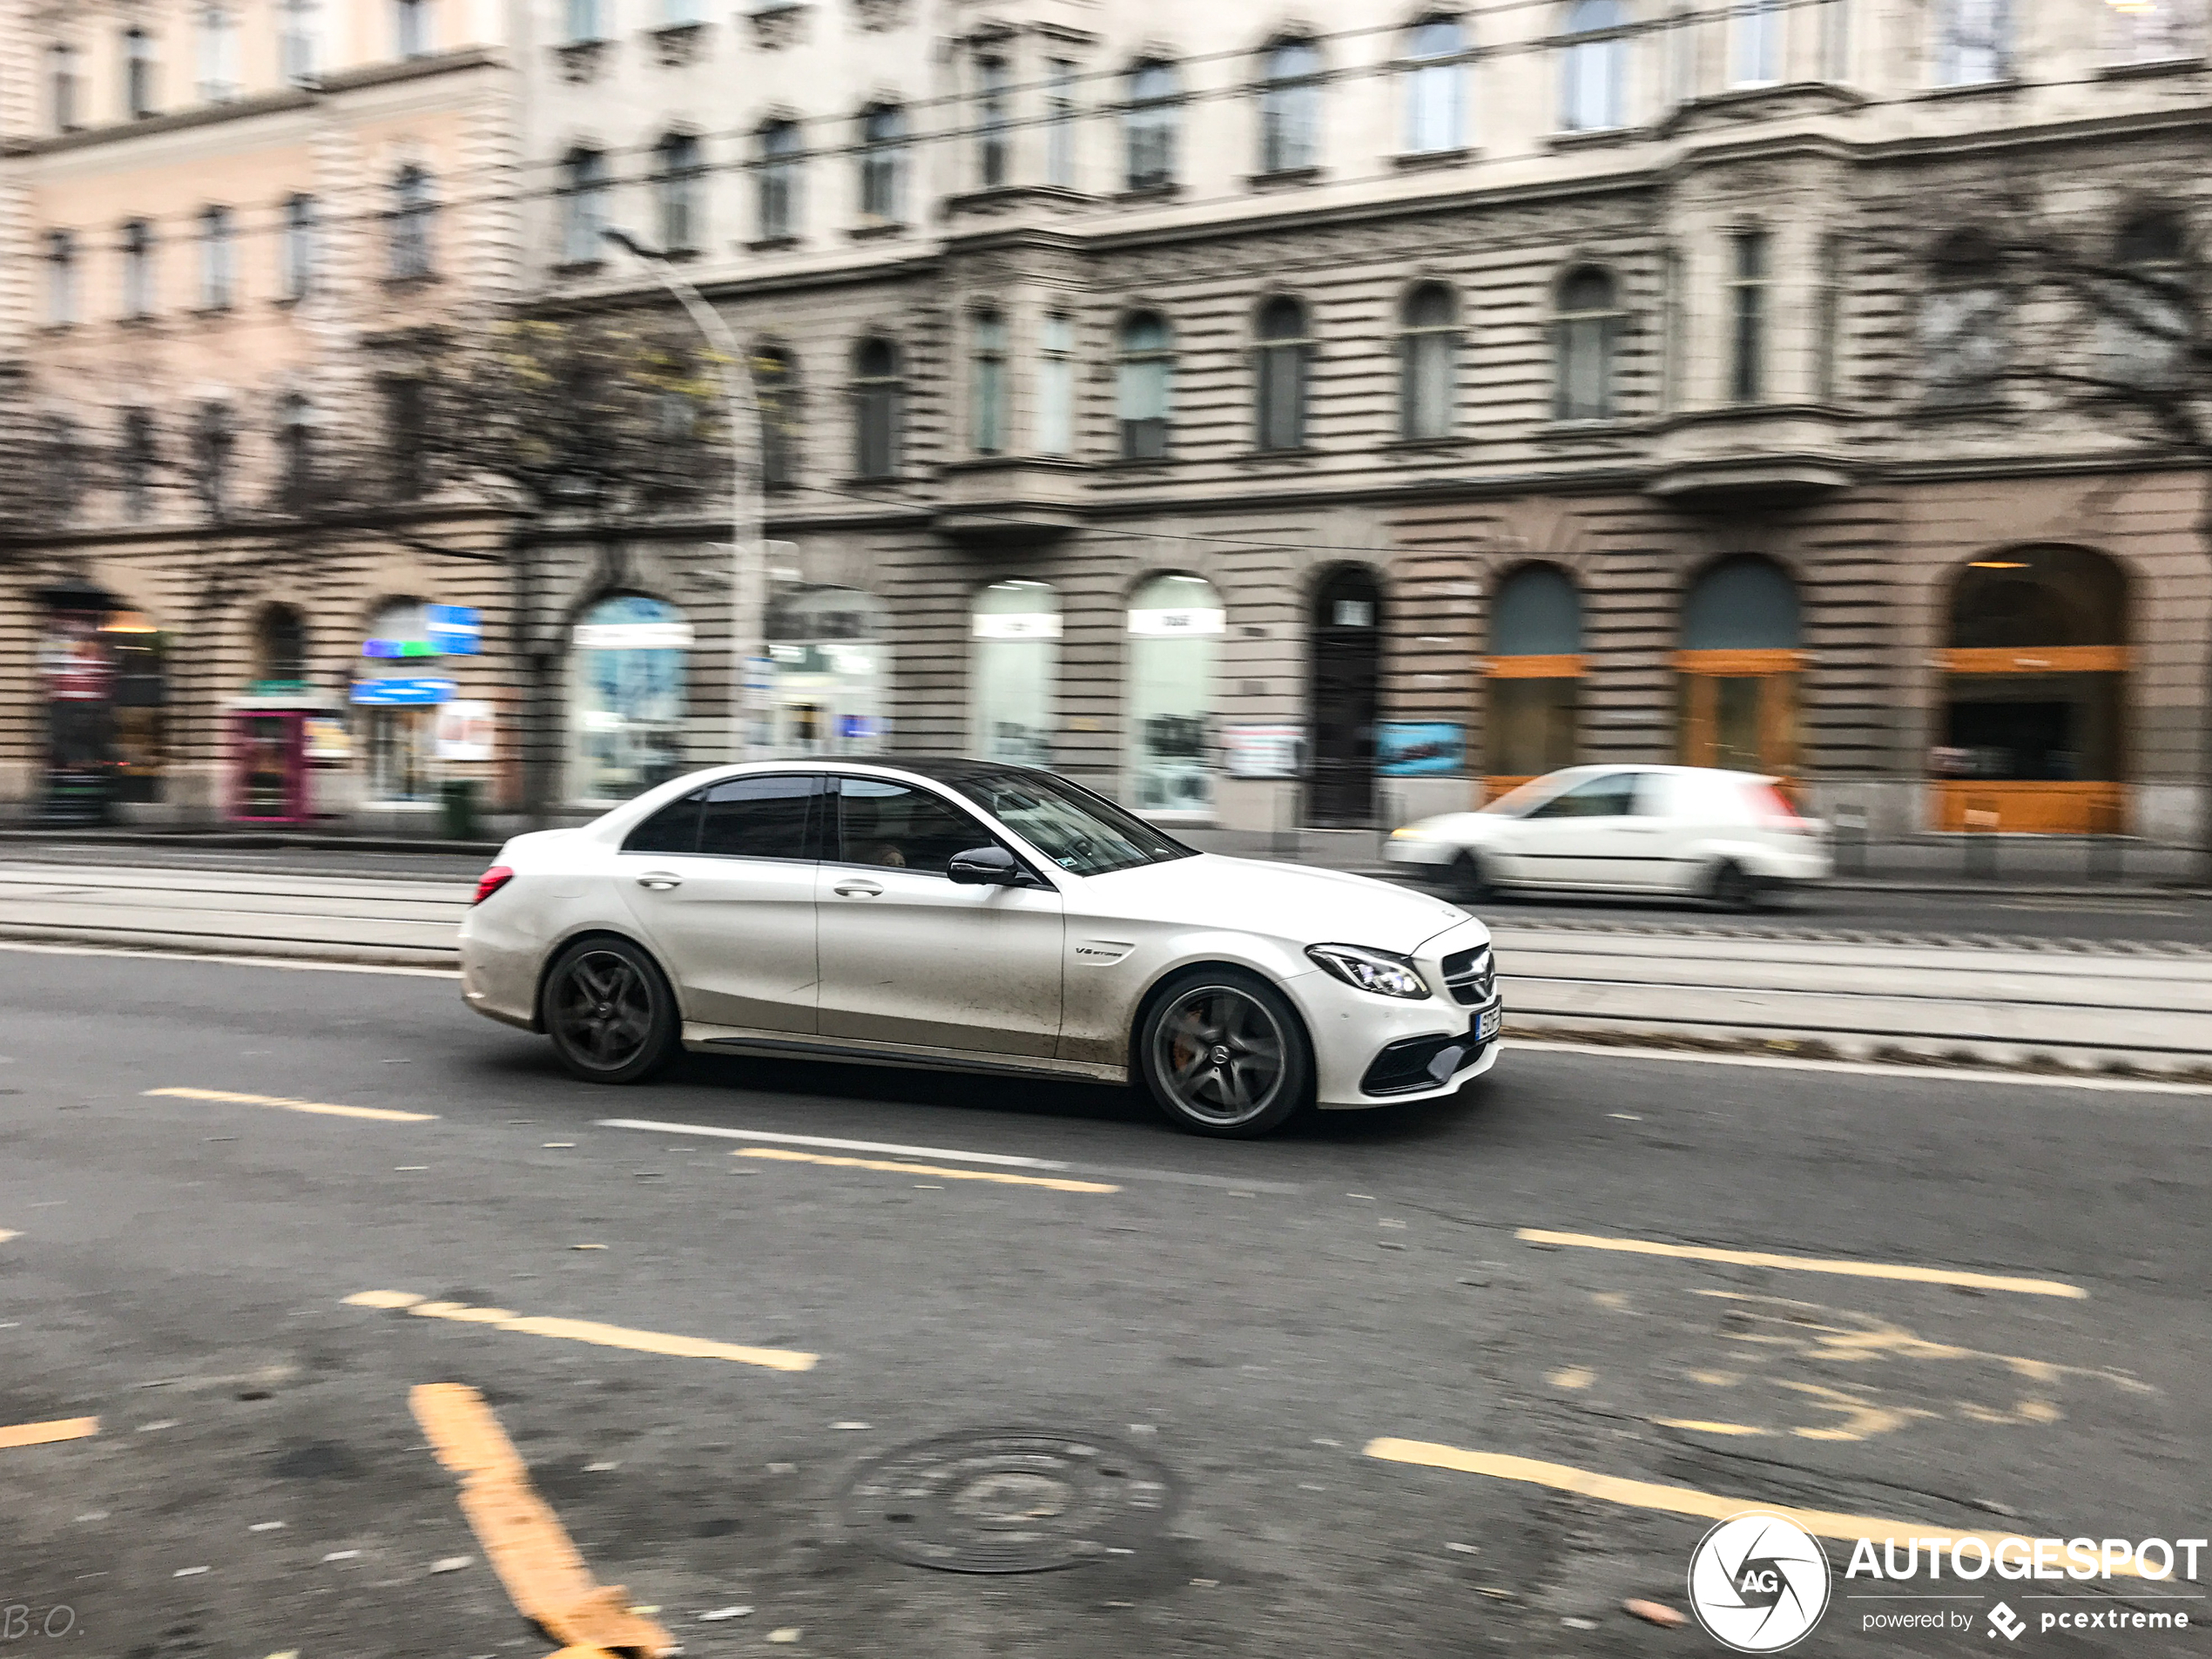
[(660, 880), (857, 889)]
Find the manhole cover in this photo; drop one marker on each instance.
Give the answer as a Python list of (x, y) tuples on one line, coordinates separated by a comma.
[(1007, 1501)]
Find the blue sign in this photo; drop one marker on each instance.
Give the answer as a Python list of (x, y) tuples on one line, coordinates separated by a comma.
[(402, 693), (1421, 749), (860, 727), (455, 631)]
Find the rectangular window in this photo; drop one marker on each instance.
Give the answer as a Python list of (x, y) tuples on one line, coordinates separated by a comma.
[(1056, 385), (1755, 45), (994, 163), (1593, 73), (136, 458), (1060, 124), (888, 824), (296, 46), (1673, 327), (411, 27), (61, 279), (681, 176), (1289, 109), (218, 261), (1148, 126), (759, 818), (584, 21), (988, 390), (1434, 79), (675, 14), (1747, 370), (1973, 43), (777, 182), (61, 70), (138, 74), (406, 437), (218, 56), (1828, 320), (297, 251), (138, 269), (1835, 39), (585, 209)]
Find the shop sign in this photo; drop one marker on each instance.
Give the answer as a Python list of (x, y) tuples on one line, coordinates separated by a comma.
[(1019, 625), (325, 737), (1262, 751), (455, 631), (634, 636), (77, 666), (465, 732), (1178, 619), (856, 728), (1421, 749), (401, 694)]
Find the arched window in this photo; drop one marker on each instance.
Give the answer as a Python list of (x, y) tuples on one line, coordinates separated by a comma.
[(1974, 42), (1290, 107), (584, 188), (1428, 350), (680, 175), (1965, 320), (776, 177), (883, 163), (1143, 385), (280, 646), (775, 385), (2145, 307), (295, 452), (1435, 79), (629, 655), (2035, 688), (1015, 632), (1594, 66), (1587, 330), (1739, 664), (986, 383), (1175, 625), (1148, 124), (414, 225), (878, 392), (1534, 676), (1284, 348)]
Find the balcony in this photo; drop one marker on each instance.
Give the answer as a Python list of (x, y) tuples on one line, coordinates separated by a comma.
[(1009, 500), (1750, 459)]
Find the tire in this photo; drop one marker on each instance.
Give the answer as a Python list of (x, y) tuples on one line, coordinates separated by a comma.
[(1223, 1052), (1733, 887), (609, 1012), (1466, 880)]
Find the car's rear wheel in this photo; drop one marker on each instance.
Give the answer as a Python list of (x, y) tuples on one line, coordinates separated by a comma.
[(1224, 1053), (1732, 886), (609, 1013)]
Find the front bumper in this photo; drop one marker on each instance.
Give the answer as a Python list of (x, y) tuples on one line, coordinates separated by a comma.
[(1407, 850), (1352, 1027)]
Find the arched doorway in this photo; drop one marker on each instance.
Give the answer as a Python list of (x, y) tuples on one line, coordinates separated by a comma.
[(1345, 690), (1739, 667), (1534, 676), (2034, 695)]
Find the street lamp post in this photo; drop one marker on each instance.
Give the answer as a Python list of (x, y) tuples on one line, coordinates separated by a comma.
[(748, 575)]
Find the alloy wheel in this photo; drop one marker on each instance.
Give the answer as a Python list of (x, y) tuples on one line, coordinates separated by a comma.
[(603, 1011), (1221, 1053)]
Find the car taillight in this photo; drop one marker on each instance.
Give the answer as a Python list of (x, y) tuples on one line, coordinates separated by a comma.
[(491, 882), (1775, 812)]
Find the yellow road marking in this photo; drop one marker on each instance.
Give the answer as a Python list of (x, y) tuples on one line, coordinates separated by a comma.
[(66, 1428), (781, 1156), (1806, 1264), (5, 1235), (605, 1336), (282, 1104), (522, 1538), (1680, 1501), (1573, 1377), (1697, 1427)]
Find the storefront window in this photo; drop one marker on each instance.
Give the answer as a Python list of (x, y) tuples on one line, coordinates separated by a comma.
[(140, 653), (396, 693), (1014, 631), (829, 650), (1175, 626), (630, 658), (1534, 680)]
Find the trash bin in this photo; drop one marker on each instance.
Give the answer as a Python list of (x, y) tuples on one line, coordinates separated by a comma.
[(457, 808)]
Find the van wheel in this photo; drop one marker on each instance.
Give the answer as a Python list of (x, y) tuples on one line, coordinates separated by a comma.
[(1733, 887)]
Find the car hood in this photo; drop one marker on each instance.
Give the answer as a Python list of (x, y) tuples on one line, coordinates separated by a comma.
[(1284, 900)]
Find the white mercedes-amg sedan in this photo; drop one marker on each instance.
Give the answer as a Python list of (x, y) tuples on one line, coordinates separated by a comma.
[(976, 917)]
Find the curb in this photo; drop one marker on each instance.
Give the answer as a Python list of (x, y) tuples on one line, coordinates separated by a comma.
[(133, 941)]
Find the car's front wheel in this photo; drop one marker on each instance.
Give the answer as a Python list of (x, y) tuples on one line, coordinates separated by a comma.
[(609, 1013), (1466, 879), (1223, 1052)]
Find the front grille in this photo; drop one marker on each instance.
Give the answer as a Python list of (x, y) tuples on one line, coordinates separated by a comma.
[(1470, 975)]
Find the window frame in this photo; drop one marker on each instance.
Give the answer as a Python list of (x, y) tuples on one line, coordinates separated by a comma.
[(989, 415), (777, 179), (679, 200), (1425, 70), (139, 65), (411, 251), (1060, 123), (881, 155), (1281, 367), (832, 838), (1056, 335), (994, 122), (1596, 328), (877, 397), (1604, 44), (587, 183), (1291, 77), (412, 30), (218, 258), (1757, 42), (64, 87), (1418, 339), (1749, 287), (297, 246), (64, 291), (1132, 359), (1151, 126), (1962, 57)]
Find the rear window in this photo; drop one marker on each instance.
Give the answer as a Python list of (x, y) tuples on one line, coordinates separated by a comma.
[(672, 829)]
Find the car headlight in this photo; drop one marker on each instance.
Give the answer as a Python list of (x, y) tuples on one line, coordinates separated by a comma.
[(1371, 970), (1410, 832)]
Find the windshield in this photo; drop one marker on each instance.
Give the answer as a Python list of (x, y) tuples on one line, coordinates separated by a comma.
[(1083, 833)]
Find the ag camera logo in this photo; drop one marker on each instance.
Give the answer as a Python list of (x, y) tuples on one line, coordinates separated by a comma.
[(1758, 1582)]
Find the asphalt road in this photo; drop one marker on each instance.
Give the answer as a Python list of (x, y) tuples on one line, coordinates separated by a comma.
[(1238, 1323), (2001, 912)]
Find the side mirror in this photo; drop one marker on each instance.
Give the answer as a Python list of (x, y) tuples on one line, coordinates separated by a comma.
[(984, 867)]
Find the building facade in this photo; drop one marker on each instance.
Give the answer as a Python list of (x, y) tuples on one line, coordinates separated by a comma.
[(222, 597), (1414, 400)]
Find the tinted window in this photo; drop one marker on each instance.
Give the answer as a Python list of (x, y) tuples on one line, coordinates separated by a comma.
[(901, 828), (1611, 796), (672, 829), (1077, 830), (759, 818)]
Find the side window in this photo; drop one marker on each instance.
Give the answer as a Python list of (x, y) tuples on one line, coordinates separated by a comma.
[(901, 828), (759, 818), (1651, 794), (672, 829), (1607, 796)]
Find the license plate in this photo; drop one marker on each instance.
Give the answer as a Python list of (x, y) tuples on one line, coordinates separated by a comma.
[(1486, 1026)]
